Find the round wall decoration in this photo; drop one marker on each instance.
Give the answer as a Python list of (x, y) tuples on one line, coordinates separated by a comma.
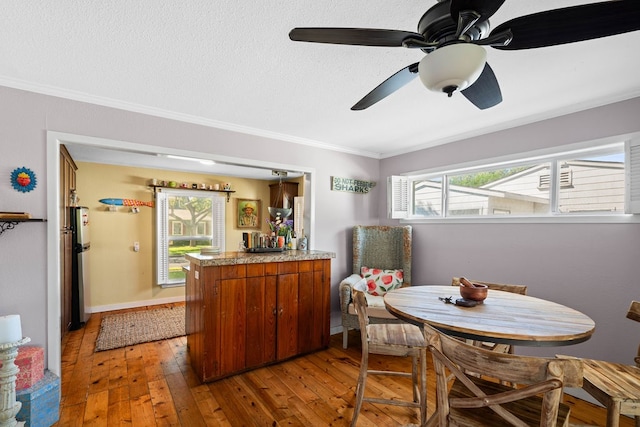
[(23, 179)]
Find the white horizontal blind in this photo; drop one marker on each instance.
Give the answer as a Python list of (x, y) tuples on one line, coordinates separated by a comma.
[(298, 220), (632, 170), (162, 241), (398, 197), (217, 205)]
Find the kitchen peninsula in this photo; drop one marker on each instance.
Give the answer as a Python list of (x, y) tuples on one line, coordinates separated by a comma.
[(246, 310)]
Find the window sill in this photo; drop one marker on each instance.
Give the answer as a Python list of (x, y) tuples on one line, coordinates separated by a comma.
[(552, 219), (171, 285)]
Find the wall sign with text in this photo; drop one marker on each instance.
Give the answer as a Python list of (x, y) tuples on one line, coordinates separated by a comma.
[(351, 185)]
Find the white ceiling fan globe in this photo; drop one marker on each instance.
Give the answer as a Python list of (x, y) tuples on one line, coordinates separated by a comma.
[(452, 67)]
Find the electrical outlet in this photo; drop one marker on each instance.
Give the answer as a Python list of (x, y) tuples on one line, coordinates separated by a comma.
[(136, 246)]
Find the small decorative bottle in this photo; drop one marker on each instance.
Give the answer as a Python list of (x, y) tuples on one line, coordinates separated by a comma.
[(287, 240), (302, 243)]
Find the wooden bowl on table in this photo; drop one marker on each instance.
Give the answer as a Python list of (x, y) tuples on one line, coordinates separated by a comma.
[(473, 291)]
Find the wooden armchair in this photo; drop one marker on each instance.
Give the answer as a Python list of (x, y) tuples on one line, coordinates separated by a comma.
[(616, 385), (382, 247), (471, 401)]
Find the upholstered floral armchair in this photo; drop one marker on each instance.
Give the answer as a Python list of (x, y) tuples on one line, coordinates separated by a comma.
[(385, 252)]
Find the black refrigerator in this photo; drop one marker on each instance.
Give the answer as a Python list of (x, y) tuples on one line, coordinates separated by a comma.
[(80, 266)]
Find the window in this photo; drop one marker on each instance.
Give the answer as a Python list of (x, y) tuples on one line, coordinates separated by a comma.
[(592, 180), (185, 222)]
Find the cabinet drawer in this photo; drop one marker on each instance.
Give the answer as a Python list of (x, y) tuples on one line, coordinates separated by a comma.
[(255, 270), (233, 271), (305, 266), (321, 264), (287, 267), (270, 269)]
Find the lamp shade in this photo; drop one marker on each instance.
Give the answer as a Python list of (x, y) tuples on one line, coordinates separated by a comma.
[(452, 67)]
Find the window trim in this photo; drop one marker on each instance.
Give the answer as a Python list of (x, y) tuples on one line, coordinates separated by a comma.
[(553, 155)]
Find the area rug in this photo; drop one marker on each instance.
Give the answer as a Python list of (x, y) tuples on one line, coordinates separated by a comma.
[(124, 329)]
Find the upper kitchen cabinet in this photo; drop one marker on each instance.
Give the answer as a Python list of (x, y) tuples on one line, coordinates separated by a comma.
[(282, 194)]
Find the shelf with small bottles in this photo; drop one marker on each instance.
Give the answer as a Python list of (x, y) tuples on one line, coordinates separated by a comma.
[(157, 188)]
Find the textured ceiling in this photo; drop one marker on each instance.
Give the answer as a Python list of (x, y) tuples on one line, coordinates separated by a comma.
[(230, 64)]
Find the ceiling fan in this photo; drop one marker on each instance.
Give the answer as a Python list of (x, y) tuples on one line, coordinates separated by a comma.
[(453, 32)]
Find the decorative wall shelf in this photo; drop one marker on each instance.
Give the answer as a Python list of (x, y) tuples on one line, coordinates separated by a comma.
[(160, 187), (10, 224)]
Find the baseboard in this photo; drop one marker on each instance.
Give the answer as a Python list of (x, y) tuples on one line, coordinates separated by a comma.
[(335, 330), (134, 304)]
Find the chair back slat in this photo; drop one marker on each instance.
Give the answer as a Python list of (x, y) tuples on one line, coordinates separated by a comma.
[(521, 369), (634, 311), (514, 289), (360, 303)]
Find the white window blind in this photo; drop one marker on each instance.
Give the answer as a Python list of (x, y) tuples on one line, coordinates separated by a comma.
[(633, 176), (162, 241), (398, 197)]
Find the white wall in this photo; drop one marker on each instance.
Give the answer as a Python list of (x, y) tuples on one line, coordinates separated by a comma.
[(593, 268)]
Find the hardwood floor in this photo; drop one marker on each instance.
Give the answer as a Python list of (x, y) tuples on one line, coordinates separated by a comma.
[(152, 384)]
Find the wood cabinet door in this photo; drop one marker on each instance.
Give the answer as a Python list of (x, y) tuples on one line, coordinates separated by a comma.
[(313, 331), (282, 197), (287, 316), (233, 327), (261, 320)]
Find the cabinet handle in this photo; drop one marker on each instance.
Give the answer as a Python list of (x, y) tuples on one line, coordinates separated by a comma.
[(281, 311)]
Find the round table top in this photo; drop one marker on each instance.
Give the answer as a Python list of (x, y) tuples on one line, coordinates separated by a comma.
[(503, 317)]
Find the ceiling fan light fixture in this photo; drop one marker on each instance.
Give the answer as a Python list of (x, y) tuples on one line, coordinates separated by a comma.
[(452, 67)]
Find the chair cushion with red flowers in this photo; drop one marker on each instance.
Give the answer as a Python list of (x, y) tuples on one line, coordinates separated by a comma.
[(380, 281)]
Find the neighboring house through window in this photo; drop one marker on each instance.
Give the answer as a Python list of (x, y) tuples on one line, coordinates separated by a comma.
[(595, 180)]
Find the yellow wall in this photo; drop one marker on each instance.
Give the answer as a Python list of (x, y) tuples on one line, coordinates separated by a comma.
[(120, 277)]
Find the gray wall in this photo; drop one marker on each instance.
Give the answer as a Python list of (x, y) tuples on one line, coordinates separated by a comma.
[(590, 267), (587, 266), (26, 117)]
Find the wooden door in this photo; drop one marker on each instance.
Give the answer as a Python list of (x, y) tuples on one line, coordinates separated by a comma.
[(67, 183)]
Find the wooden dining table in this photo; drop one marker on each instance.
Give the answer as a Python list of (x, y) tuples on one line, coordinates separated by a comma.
[(503, 317)]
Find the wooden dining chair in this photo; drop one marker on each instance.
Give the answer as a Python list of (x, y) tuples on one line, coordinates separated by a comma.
[(471, 401), (391, 339), (514, 289), (616, 385)]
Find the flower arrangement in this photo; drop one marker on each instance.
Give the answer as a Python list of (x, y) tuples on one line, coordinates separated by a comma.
[(279, 226)]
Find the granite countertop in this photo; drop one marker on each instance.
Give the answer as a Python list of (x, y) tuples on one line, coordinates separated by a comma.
[(232, 258)]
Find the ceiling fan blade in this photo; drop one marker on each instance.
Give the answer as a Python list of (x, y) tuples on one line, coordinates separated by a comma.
[(353, 36), (571, 24), (485, 92), (387, 87), (486, 8)]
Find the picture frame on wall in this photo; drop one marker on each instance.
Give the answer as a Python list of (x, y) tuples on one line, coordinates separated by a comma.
[(248, 213)]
